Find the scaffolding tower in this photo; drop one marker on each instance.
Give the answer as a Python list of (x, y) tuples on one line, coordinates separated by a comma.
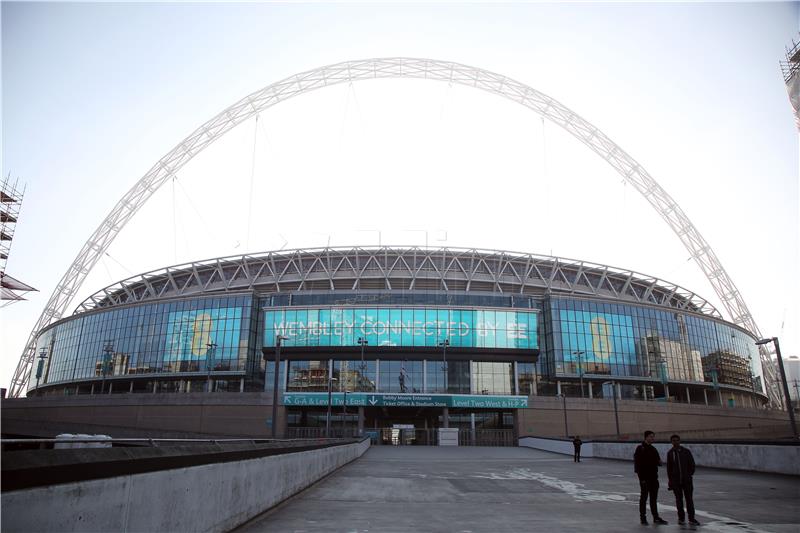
[(10, 203), (791, 75)]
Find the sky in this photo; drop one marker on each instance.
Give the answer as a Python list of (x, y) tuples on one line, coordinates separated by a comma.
[(94, 94)]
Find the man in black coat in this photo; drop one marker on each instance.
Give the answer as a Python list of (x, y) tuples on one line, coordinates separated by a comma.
[(680, 469), (576, 443), (645, 463)]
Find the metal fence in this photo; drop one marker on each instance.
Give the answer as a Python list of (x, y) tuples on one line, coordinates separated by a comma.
[(411, 437)]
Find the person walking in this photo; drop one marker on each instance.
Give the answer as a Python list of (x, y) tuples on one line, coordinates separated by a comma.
[(576, 442), (645, 463), (680, 469)]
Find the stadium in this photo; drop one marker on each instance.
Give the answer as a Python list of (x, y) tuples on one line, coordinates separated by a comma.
[(408, 338), (395, 339)]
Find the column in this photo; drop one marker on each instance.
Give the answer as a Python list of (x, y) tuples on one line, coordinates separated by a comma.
[(688, 396), (360, 421), (445, 417), (111, 387), (92, 391), (131, 389), (705, 396), (558, 387), (241, 385), (589, 386)]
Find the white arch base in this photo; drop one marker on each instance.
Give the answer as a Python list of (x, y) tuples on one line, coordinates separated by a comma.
[(396, 67)]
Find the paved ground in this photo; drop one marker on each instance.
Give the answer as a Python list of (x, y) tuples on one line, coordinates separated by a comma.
[(493, 490)]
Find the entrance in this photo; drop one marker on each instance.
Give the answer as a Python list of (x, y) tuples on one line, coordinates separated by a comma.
[(407, 426)]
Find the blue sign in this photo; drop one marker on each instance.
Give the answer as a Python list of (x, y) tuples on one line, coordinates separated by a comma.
[(365, 399), (343, 326)]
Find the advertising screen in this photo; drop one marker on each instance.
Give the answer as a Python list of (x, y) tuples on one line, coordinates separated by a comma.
[(342, 326), (606, 340), (190, 332)]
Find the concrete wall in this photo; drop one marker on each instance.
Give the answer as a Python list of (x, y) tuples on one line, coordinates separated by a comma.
[(595, 418), (562, 446), (136, 415), (215, 497), (779, 459)]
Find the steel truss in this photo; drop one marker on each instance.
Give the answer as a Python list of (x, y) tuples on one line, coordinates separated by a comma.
[(396, 268), (399, 67)]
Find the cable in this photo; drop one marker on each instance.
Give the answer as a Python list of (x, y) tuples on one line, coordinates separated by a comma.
[(252, 179)]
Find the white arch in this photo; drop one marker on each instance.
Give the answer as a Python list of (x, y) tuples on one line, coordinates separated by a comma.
[(398, 67)]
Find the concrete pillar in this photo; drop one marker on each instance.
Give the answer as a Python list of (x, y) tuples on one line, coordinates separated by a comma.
[(688, 396), (360, 421), (558, 387), (131, 389), (155, 385), (241, 385), (719, 395), (92, 391), (445, 417), (705, 396), (111, 387), (666, 392), (589, 386), (618, 390)]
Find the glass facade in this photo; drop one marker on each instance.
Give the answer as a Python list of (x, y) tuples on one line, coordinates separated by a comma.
[(170, 337), (612, 339), (589, 338)]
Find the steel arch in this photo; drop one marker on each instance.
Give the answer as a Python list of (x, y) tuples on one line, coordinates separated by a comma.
[(398, 67)]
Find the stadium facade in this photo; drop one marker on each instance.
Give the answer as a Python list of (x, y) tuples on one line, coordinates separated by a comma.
[(400, 336)]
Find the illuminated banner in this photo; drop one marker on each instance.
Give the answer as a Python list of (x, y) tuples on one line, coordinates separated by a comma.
[(469, 328), (190, 332), (602, 337)]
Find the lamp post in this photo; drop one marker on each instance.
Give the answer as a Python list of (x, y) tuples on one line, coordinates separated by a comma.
[(580, 368), (108, 350), (564, 404), (40, 368), (278, 340), (774, 340), (616, 412), (330, 395), (210, 348), (362, 342), (444, 344)]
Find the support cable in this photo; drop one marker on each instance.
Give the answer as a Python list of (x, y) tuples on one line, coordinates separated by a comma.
[(252, 180)]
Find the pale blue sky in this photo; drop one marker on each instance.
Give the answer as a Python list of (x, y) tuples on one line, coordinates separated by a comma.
[(95, 94)]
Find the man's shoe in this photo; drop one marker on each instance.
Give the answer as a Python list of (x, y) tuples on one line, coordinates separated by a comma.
[(644, 521), (660, 521), (681, 521), (694, 522)]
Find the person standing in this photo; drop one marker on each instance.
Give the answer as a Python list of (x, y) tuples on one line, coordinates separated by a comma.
[(680, 469), (645, 463), (576, 442)]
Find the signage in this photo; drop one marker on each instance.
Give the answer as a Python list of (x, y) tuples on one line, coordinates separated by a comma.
[(365, 399), (343, 326)]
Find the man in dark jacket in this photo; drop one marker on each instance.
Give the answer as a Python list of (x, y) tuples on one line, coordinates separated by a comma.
[(576, 443), (680, 469), (645, 463)]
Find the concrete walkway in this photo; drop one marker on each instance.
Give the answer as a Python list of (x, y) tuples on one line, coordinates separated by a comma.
[(492, 490)]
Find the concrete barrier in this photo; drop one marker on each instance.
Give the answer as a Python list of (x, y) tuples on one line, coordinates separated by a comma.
[(210, 498), (773, 458), (562, 446)]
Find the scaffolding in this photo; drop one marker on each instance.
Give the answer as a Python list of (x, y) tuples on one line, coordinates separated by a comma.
[(10, 203), (790, 69)]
